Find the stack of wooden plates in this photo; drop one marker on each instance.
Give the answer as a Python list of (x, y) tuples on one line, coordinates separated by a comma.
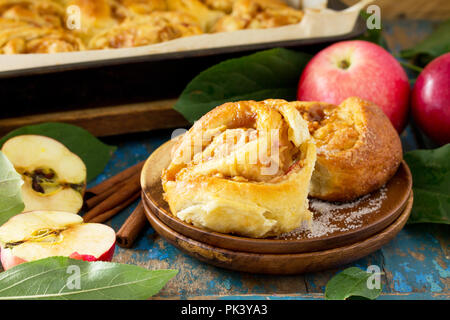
[(339, 234)]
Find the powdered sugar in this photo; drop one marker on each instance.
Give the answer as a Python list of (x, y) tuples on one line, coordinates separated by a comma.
[(332, 218)]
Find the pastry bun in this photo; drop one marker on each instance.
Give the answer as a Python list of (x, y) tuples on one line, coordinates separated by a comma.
[(77, 25), (205, 15), (17, 37), (243, 168), (144, 30), (258, 14), (358, 149), (38, 13)]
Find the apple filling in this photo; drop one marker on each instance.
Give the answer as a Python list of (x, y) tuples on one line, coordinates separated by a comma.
[(236, 154), (332, 128)]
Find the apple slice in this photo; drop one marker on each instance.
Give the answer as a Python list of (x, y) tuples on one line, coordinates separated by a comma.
[(40, 234), (54, 177)]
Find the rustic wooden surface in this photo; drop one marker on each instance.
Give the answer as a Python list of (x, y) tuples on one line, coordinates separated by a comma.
[(280, 263), (401, 32), (397, 192), (107, 121), (415, 263)]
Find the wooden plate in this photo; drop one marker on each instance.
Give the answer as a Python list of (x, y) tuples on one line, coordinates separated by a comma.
[(373, 213), (293, 263)]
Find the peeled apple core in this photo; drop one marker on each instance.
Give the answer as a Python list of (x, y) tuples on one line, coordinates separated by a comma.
[(40, 234)]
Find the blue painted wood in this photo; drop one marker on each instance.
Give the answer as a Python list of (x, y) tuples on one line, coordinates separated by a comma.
[(415, 263)]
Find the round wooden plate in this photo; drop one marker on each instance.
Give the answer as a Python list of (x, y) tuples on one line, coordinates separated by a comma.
[(291, 263), (347, 223)]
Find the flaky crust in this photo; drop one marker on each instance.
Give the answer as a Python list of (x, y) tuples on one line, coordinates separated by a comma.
[(144, 30), (358, 148), (38, 13), (219, 189), (258, 14), (75, 25), (17, 37), (205, 15)]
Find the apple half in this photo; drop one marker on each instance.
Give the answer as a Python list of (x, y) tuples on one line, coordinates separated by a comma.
[(54, 177), (37, 235)]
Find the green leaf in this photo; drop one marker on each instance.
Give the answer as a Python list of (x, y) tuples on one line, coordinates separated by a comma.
[(431, 47), (94, 153), (267, 74), (61, 278), (352, 282), (11, 202), (431, 185)]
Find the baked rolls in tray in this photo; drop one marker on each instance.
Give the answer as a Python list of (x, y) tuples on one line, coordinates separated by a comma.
[(17, 37), (248, 167), (106, 24)]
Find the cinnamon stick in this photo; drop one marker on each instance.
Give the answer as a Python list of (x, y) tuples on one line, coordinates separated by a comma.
[(124, 175), (105, 216), (132, 227), (131, 187), (92, 202)]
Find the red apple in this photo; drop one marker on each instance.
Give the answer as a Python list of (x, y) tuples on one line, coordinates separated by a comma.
[(431, 99), (357, 68), (40, 234)]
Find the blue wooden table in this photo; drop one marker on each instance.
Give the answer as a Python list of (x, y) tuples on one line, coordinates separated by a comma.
[(415, 263)]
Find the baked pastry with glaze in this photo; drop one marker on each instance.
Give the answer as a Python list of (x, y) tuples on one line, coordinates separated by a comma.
[(96, 16), (258, 14), (142, 7), (243, 168), (18, 37), (358, 149), (205, 15), (150, 29), (221, 5), (106, 24)]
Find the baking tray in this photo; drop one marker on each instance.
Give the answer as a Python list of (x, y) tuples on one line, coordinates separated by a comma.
[(111, 82)]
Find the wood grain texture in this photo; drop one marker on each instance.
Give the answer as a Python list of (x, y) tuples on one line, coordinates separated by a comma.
[(296, 263), (416, 263), (107, 121), (411, 9)]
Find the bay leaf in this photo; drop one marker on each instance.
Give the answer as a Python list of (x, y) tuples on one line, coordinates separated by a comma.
[(267, 74), (11, 202), (431, 185), (94, 153), (62, 278), (351, 282)]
